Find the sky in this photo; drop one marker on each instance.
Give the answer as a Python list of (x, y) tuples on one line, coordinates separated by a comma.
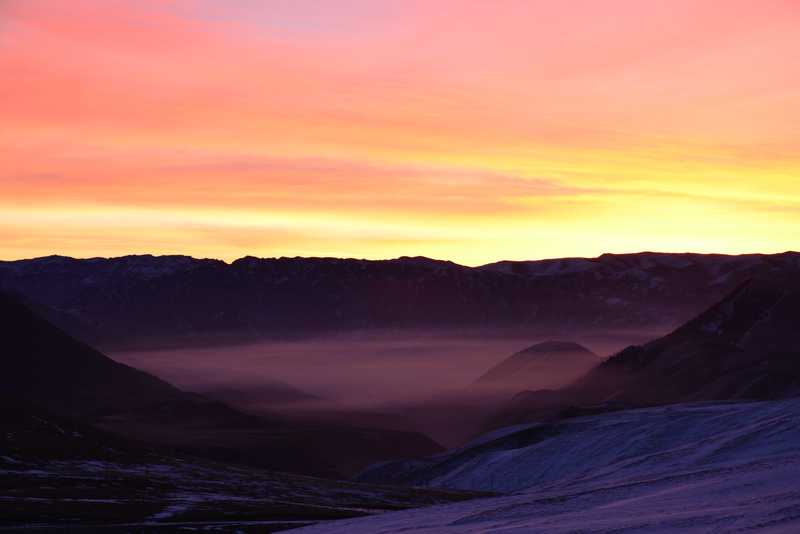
[(464, 130)]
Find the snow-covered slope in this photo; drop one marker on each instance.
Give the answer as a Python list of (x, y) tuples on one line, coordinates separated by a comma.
[(702, 467)]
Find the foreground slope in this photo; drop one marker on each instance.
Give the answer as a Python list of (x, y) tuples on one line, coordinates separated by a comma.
[(58, 470), (696, 467), (216, 431)]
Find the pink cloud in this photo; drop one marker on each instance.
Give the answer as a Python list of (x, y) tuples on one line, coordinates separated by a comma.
[(430, 109)]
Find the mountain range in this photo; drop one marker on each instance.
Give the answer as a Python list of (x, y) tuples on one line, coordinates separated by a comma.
[(178, 296)]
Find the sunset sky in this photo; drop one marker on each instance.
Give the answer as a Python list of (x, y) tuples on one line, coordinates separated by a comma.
[(473, 131)]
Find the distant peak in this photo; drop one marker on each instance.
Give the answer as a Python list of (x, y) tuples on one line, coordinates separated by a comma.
[(549, 346), (425, 261)]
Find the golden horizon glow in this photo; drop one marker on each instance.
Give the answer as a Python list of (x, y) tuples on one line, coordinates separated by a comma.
[(466, 131)]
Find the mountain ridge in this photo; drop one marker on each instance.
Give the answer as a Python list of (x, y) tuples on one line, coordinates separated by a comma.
[(44, 364), (135, 296), (742, 347)]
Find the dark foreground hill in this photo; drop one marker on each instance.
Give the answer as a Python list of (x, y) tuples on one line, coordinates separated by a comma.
[(56, 470), (43, 364), (173, 296), (743, 347)]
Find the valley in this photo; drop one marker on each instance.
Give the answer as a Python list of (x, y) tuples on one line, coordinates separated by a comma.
[(543, 393)]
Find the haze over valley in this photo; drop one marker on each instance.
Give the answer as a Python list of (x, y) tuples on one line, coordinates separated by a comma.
[(372, 335)]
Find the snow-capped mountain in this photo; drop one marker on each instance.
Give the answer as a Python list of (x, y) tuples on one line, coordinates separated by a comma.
[(288, 296)]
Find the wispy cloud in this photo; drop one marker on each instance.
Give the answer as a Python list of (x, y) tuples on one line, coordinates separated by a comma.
[(496, 120)]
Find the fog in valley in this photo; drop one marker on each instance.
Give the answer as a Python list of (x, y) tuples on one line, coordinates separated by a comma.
[(369, 371)]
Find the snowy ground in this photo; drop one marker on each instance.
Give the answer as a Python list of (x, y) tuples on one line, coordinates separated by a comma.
[(726, 467)]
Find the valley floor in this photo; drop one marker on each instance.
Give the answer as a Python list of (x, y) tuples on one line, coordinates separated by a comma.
[(162, 494)]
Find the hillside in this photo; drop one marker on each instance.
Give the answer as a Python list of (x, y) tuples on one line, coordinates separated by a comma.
[(42, 363), (696, 467), (743, 347), (700, 458)]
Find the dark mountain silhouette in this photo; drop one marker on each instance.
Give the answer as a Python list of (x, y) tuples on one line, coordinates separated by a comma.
[(743, 347), (35, 434), (763, 313), (180, 296), (43, 364), (53, 280), (69, 323)]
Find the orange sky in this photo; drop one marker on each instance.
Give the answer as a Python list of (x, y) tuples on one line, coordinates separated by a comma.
[(465, 130)]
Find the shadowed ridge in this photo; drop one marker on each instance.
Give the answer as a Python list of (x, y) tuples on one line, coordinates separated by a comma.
[(746, 346), (42, 363), (759, 313)]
